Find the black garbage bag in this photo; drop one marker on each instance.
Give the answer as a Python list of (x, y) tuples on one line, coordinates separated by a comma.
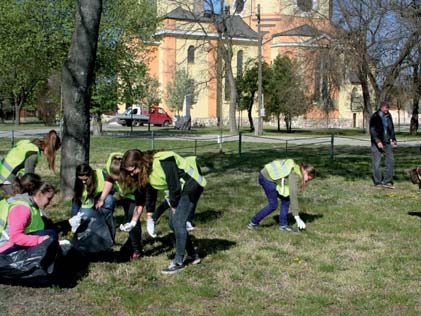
[(93, 235), (30, 263)]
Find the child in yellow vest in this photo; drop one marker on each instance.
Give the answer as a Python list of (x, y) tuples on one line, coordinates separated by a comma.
[(283, 179)]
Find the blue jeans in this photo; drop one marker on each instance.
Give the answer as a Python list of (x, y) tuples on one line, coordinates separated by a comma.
[(178, 219), (272, 195), (88, 212)]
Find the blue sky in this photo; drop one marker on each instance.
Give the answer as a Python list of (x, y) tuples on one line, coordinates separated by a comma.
[(213, 5)]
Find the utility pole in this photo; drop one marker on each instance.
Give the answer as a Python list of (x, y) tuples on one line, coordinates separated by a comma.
[(259, 127)]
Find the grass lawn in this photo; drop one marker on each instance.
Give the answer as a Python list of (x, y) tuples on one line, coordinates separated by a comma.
[(360, 254)]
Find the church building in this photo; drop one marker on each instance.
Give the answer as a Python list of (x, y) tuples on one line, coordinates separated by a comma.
[(300, 29)]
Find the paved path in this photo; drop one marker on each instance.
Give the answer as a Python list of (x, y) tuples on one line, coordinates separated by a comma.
[(362, 141)]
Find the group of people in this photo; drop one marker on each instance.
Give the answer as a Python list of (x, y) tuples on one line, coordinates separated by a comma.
[(133, 180)]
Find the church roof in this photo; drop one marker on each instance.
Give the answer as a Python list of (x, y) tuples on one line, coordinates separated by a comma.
[(232, 25), (302, 30)]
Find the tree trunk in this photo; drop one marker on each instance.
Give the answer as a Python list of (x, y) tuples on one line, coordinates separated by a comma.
[(77, 76), (416, 81), (96, 124), (249, 113), (288, 122), (366, 97), (279, 122), (18, 101), (219, 75), (233, 92)]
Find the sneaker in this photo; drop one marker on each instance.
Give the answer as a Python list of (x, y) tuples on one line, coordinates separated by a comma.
[(173, 268), (193, 259), (252, 225), (286, 228), (378, 186), (136, 255), (388, 185), (189, 226)]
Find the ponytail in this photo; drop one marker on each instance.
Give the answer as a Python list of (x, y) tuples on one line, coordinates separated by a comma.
[(50, 144)]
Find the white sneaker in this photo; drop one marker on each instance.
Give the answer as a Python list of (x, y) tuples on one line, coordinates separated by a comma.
[(189, 226), (150, 227)]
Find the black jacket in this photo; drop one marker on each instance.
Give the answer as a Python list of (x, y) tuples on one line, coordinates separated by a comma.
[(377, 130)]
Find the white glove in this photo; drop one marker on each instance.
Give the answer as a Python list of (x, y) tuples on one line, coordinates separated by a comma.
[(300, 223), (75, 221), (128, 226), (65, 246), (150, 227)]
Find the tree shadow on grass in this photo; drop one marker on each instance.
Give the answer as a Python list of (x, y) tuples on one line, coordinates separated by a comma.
[(205, 246), (415, 214), (207, 216)]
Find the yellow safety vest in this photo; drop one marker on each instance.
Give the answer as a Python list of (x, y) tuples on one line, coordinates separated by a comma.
[(14, 161), (89, 202), (124, 194), (36, 224), (278, 170), (157, 177)]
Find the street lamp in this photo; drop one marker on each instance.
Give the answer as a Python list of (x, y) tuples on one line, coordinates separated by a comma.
[(259, 127)]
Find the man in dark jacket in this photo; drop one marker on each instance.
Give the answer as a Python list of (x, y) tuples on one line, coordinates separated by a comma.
[(383, 138)]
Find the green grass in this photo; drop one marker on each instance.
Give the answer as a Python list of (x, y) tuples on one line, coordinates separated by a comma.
[(360, 254)]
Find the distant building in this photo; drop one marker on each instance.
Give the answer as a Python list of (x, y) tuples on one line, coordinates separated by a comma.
[(299, 29)]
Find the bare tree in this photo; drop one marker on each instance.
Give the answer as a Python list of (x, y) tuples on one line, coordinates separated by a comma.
[(220, 29), (77, 77), (376, 48)]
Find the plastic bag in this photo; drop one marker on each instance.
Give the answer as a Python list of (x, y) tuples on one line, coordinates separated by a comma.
[(93, 235), (30, 263)]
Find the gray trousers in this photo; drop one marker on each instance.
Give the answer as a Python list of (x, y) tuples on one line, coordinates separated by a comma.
[(389, 161)]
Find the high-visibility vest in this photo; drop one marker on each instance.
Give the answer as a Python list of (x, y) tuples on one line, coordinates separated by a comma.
[(100, 180), (279, 170), (192, 161), (157, 177), (14, 161), (123, 193), (36, 222), (4, 213)]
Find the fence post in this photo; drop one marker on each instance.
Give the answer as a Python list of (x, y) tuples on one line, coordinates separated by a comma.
[(239, 144), (286, 148), (13, 137), (220, 142), (332, 147), (152, 141)]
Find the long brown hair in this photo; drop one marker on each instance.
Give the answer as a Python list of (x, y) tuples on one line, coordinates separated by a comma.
[(138, 159), (115, 166), (85, 170), (49, 145), (311, 172), (27, 183)]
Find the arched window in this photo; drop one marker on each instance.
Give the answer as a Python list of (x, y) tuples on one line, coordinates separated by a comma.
[(240, 55), (190, 55)]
